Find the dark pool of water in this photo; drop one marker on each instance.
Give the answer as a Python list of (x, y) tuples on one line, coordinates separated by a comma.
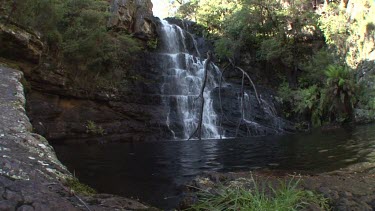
[(154, 172)]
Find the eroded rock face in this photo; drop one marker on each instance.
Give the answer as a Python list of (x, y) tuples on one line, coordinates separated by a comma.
[(133, 16), (18, 44)]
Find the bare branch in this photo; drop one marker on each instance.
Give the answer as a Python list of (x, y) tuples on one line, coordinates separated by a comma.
[(199, 128)]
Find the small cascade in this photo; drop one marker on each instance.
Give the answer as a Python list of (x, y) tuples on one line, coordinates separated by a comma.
[(182, 80)]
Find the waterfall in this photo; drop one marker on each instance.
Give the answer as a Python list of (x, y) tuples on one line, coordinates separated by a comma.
[(183, 76)]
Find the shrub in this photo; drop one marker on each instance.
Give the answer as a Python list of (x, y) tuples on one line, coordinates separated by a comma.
[(93, 128)]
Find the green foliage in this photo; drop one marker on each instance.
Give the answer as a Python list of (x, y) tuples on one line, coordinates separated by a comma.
[(285, 92), (79, 187), (304, 101), (87, 45), (314, 68), (322, 48), (307, 99), (266, 28), (188, 10), (41, 15), (209, 13), (93, 128), (237, 197), (325, 102), (224, 48), (341, 89), (76, 33), (348, 34), (366, 97)]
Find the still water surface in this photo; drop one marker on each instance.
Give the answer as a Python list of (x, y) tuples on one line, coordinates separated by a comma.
[(155, 172)]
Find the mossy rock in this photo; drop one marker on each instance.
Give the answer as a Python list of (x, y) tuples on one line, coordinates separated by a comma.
[(78, 187)]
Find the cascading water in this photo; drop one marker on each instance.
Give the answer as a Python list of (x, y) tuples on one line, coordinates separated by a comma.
[(183, 75)]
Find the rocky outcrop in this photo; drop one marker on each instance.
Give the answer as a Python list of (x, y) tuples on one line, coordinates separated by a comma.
[(19, 44), (133, 16), (31, 176)]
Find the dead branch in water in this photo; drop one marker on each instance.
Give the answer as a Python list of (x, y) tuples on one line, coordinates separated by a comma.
[(199, 128)]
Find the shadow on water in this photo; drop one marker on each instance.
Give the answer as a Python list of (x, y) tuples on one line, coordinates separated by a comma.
[(154, 172)]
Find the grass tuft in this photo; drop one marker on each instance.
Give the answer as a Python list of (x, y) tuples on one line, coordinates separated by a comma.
[(250, 197)]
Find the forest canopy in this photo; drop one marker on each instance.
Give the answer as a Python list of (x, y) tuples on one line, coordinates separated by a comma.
[(319, 48)]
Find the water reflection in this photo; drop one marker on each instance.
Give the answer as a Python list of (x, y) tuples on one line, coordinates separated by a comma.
[(153, 172)]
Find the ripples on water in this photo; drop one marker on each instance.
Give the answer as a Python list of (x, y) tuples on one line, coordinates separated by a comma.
[(153, 172)]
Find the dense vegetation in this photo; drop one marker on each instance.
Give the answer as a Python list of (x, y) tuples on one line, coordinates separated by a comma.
[(77, 37), (317, 50)]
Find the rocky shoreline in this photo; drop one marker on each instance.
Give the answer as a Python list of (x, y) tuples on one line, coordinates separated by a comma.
[(31, 176)]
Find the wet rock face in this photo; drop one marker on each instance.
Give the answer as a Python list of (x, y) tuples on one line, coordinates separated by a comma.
[(18, 44), (133, 16), (259, 119)]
